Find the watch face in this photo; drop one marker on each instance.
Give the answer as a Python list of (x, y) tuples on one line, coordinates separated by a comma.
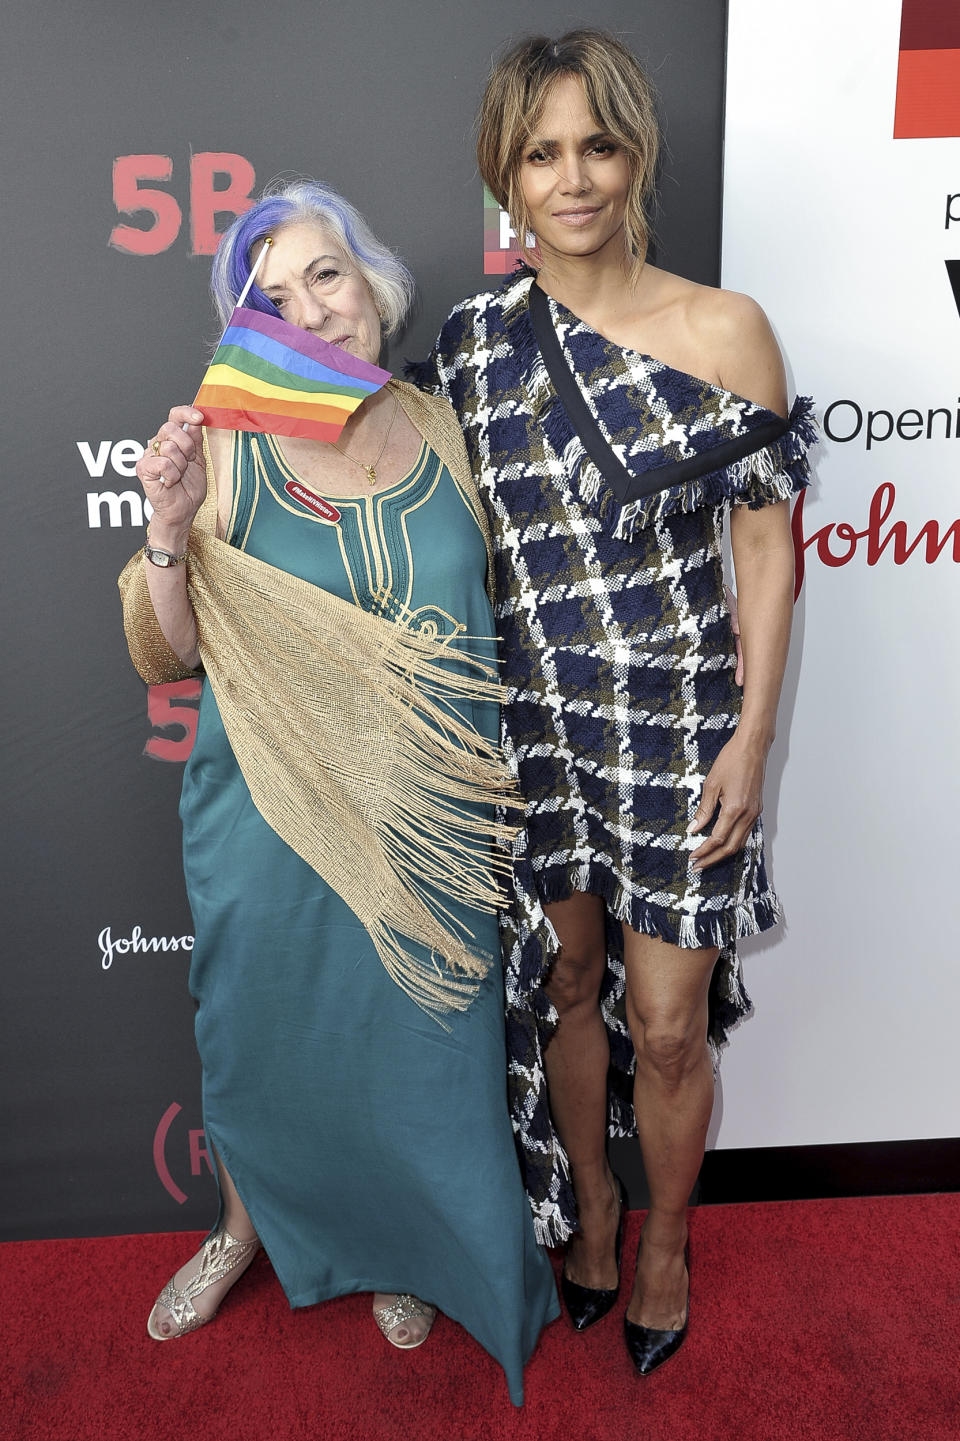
[(159, 557)]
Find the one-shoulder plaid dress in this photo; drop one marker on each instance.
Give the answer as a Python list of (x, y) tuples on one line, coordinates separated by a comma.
[(619, 660)]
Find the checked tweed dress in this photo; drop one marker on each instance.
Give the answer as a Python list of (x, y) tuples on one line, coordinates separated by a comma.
[(619, 661)]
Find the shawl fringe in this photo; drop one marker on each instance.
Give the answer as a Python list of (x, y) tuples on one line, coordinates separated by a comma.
[(346, 729), (373, 779)]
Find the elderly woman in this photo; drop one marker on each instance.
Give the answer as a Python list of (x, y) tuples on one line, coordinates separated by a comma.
[(337, 824), (613, 414)]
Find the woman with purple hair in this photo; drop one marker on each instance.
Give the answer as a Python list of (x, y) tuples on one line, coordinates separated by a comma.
[(344, 774)]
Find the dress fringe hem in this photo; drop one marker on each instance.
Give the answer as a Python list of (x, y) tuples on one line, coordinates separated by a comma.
[(690, 932)]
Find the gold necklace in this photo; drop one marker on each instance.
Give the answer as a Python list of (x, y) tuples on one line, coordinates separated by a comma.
[(372, 469)]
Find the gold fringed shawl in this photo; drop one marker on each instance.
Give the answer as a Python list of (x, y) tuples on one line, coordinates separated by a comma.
[(344, 730)]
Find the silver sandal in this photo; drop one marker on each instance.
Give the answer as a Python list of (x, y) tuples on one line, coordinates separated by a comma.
[(221, 1254), (404, 1308)]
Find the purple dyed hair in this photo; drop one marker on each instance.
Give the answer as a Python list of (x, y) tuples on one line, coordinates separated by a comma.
[(390, 282)]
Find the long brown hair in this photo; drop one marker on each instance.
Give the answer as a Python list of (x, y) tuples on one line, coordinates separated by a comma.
[(619, 95)]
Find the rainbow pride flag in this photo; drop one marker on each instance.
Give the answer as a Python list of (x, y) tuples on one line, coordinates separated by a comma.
[(272, 377)]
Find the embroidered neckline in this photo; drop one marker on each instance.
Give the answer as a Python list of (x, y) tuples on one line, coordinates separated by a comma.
[(334, 497)]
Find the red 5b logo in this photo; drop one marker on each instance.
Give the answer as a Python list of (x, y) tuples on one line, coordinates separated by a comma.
[(173, 707), (131, 197)]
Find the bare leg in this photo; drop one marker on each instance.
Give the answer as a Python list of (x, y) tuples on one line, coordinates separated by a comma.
[(576, 1062), (238, 1224), (673, 1094)]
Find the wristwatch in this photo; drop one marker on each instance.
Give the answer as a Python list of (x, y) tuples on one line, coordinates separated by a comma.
[(162, 558)]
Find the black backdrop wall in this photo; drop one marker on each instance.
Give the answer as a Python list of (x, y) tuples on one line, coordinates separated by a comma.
[(107, 324)]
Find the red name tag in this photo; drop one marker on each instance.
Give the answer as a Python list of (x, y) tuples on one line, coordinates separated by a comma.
[(321, 508)]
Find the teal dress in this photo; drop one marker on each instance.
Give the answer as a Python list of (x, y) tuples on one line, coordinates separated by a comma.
[(371, 1147)]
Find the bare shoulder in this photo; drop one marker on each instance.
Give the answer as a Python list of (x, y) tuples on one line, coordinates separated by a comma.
[(725, 316), (719, 335), (735, 332)]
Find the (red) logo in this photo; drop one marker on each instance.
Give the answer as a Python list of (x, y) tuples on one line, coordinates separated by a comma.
[(196, 1151)]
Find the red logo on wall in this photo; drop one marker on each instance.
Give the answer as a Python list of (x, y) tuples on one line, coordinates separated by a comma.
[(928, 76), (501, 251), (837, 543), (135, 180), (174, 715), (195, 1152)]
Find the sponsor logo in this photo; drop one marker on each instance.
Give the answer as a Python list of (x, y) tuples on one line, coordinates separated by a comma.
[(846, 420), (953, 275), (928, 74), (115, 507), (880, 538), (172, 711), (952, 217), (501, 249), (194, 1153), (321, 508), (135, 193), (137, 944)]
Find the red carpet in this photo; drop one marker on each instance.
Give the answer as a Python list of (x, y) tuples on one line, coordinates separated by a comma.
[(821, 1319)]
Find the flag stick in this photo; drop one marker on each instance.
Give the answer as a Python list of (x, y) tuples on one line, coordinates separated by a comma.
[(253, 274), (243, 295)]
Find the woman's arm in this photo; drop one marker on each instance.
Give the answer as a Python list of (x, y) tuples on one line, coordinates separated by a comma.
[(157, 614), (763, 560), (175, 483), (168, 596), (750, 364), (764, 564)]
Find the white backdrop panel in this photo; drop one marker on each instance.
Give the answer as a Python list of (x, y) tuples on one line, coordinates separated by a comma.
[(840, 232)]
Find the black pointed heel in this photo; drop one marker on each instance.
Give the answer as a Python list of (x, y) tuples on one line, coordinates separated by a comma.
[(587, 1304), (647, 1347)]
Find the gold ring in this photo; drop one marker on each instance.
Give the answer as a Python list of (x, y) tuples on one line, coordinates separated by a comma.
[(156, 446)]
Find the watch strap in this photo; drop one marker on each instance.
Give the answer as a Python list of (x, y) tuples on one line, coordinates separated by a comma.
[(162, 558)]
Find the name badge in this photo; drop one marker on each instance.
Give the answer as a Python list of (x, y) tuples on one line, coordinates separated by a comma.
[(321, 508)]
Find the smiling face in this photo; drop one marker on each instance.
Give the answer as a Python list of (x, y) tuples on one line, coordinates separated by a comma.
[(575, 178), (315, 285)]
